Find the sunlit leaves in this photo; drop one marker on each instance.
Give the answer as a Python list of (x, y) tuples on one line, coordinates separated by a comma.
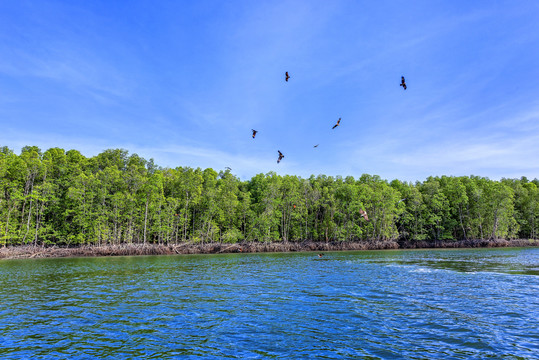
[(64, 198)]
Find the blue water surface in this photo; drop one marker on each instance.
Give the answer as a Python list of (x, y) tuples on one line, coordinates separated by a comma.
[(425, 304)]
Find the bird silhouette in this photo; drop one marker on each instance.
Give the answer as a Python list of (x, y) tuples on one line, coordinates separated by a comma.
[(287, 76), (254, 133), (364, 214), (403, 83), (316, 145), (281, 156), (337, 124)]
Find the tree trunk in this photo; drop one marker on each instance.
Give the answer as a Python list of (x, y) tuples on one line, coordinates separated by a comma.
[(146, 219)]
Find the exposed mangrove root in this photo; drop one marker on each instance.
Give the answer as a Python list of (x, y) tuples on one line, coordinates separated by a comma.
[(30, 251), (470, 243)]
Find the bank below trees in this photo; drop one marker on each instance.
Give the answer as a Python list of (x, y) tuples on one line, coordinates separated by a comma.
[(31, 251), (59, 199)]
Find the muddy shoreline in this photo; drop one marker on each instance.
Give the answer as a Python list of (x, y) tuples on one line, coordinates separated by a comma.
[(30, 251)]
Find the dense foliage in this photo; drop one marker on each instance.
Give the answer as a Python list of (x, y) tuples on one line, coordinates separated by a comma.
[(64, 198)]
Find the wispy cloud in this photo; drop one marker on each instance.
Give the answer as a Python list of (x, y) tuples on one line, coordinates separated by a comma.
[(57, 44), (243, 165), (74, 69), (185, 89)]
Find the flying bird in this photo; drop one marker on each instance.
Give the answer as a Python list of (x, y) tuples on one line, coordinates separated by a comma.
[(364, 214), (254, 133), (337, 124), (281, 156), (403, 83), (287, 76), (316, 145)]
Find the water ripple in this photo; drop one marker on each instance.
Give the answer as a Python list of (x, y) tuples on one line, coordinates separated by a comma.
[(462, 304)]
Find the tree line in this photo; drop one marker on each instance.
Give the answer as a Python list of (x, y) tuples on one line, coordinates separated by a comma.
[(65, 198)]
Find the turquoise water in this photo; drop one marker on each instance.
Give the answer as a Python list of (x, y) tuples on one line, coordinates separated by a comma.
[(447, 304)]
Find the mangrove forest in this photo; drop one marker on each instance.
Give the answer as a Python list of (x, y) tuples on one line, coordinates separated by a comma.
[(66, 199)]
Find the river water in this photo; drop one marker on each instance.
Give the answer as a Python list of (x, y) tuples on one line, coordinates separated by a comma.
[(425, 304)]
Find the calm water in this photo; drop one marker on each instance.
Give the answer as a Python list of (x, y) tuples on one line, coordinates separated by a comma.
[(456, 304)]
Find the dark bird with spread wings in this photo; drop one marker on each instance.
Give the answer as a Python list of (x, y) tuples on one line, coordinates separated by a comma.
[(403, 82), (281, 156), (364, 214), (316, 145), (286, 76), (254, 133), (337, 124)]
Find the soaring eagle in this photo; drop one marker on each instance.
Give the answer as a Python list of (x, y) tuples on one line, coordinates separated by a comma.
[(364, 214), (286, 76), (281, 156), (403, 83), (254, 133), (337, 124)]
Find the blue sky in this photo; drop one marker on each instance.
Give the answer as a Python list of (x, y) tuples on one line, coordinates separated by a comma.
[(184, 82)]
